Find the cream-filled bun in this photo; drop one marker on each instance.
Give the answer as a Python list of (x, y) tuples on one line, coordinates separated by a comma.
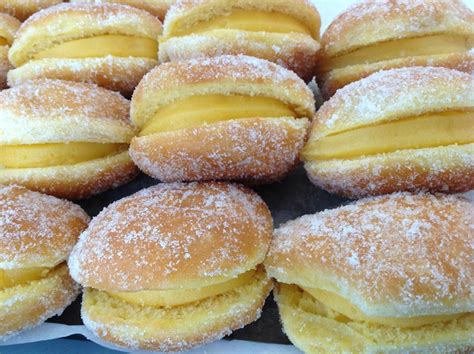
[(375, 35), (22, 9), (37, 233), (285, 32), (111, 45), (408, 129), (157, 8), (174, 266), (229, 117), (387, 274), (67, 139), (8, 27)]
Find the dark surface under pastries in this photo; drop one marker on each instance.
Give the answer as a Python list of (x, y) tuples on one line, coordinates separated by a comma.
[(288, 199)]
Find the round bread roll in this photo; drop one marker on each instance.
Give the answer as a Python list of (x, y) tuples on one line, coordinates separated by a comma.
[(157, 8), (174, 266), (229, 117), (386, 274), (37, 233), (22, 9), (8, 27), (64, 138), (111, 45), (284, 32), (398, 130), (375, 35)]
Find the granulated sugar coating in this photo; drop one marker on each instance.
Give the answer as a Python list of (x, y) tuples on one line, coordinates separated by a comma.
[(173, 236), (43, 111), (395, 255), (371, 21), (394, 94), (35, 229)]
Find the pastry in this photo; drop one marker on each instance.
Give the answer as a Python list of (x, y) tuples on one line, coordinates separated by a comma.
[(37, 233), (22, 9), (111, 45), (282, 31), (8, 27), (229, 117), (157, 8), (406, 129), (387, 274), (174, 266), (64, 138), (375, 35)]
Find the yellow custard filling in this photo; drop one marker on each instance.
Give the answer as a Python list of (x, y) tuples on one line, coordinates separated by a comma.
[(171, 298), (45, 155), (348, 309), (101, 46), (401, 48), (12, 277), (429, 130), (195, 111), (253, 21), (3, 41)]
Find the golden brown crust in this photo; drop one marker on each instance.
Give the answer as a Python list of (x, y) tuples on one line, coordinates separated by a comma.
[(157, 8), (186, 13), (43, 111), (22, 9), (37, 230), (251, 150), (112, 73), (8, 27), (224, 75), (448, 169), (182, 235), (26, 306), (65, 22), (179, 328), (399, 255), (296, 52), (332, 81), (4, 66), (316, 329), (392, 95), (372, 21), (77, 181)]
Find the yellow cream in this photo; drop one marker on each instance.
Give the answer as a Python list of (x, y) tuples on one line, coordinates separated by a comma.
[(430, 130), (170, 298), (401, 48), (45, 155), (195, 111), (253, 21), (13, 277), (101, 46), (348, 309)]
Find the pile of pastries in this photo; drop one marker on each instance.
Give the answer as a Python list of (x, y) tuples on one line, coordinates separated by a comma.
[(211, 97)]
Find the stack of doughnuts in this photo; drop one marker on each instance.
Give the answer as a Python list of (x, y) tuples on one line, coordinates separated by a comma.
[(94, 91)]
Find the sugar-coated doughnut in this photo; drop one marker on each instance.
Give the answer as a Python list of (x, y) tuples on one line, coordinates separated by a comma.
[(374, 35), (111, 45), (8, 27), (174, 266), (157, 8), (37, 233), (64, 138), (285, 32), (229, 117), (385, 274), (406, 129), (22, 9)]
